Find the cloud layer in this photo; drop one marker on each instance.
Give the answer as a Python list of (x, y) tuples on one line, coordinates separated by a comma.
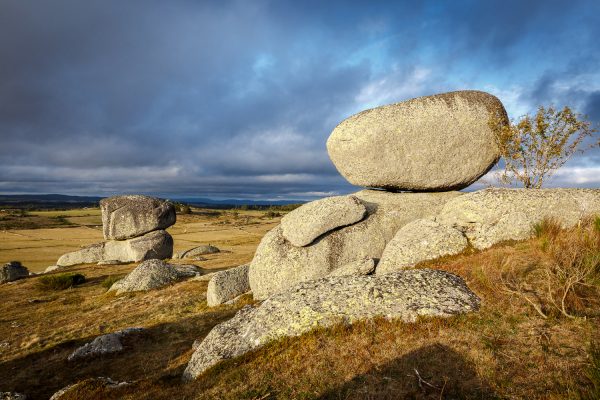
[(237, 98)]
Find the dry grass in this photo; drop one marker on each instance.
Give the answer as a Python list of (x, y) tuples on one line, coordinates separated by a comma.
[(507, 350)]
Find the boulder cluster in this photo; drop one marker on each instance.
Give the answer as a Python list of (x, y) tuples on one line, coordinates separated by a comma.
[(134, 229), (347, 257)]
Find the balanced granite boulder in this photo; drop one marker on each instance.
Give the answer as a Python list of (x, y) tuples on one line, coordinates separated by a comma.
[(405, 295), (227, 285), (125, 217), (278, 265), (420, 240), (154, 274), (309, 221), (433, 143), (490, 216), (12, 271), (153, 245)]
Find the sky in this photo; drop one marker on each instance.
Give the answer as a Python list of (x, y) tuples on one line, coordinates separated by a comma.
[(236, 99)]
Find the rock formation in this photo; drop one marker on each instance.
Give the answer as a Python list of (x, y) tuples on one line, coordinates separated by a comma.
[(154, 274), (433, 143), (405, 295), (227, 285), (105, 344), (134, 229), (12, 271), (198, 251)]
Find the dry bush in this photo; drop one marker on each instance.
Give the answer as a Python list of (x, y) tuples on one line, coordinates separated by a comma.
[(567, 280)]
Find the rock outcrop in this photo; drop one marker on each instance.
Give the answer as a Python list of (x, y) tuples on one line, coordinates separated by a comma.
[(433, 143), (227, 285), (12, 271), (342, 299), (153, 245), (278, 265), (154, 274), (418, 241), (491, 216), (306, 223), (198, 251), (105, 344), (126, 217)]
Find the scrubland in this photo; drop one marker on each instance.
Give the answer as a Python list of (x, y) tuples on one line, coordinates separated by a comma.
[(535, 337)]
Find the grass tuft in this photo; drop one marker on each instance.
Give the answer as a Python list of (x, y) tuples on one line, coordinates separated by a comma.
[(61, 281)]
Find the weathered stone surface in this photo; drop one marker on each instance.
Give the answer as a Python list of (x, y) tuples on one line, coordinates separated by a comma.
[(328, 301), (53, 268), (105, 344), (226, 285), (204, 278), (198, 251), (309, 221), (278, 264), (153, 245), (440, 142), (74, 389), (359, 267), (418, 241), (491, 216), (125, 217), (12, 271), (153, 274)]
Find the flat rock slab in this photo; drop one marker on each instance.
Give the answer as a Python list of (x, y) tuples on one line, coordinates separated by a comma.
[(198, 251), (12, 271), (419, 241), (491, 216), (278, 265), (125, 217), (433, 143), (105, 344), (309, 221), (325, 302), (153, 245), (153, 274), (227, 285)]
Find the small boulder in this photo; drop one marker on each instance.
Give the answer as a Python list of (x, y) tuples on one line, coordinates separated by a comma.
[(226, 285), (105, 344), (53, 268), (97, 386), (418, 241), (125, 217), (432, 143), (309, 221), (359, 267), (405, 295), (198, 251), (152, 274), (12, 271)]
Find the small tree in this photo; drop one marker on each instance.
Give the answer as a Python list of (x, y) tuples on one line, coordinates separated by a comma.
[(536, 146)]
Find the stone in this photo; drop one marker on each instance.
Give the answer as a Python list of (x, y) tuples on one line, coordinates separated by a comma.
[(226, 285), (205, 277), (309, 221), (432, 143), (359, 267), (278, 265), (12, 271), (105, 344), (75, 389), (419, 241), (12, 396), (405, 295), (53, 268), (198, 251), (153, 245), (153, 274), (126, 217), (491, 216)]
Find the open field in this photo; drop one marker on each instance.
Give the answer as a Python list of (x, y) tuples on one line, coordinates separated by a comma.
[(508, 350)]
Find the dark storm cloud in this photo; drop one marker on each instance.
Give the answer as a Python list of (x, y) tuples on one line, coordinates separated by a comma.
[(237, 98)]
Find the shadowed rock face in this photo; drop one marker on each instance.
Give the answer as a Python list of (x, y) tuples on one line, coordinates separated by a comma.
[(125, 217), (490, 216), (278, 265), (12, 271), (328, 301), (433, 143), (227, 285)]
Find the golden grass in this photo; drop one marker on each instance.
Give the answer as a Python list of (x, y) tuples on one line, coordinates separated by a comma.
[(507, 350)]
